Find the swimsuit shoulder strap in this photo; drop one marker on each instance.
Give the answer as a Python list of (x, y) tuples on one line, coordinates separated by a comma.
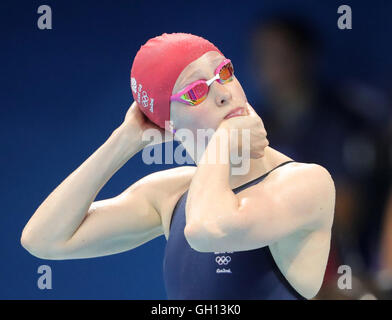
[(264, 175), (282, 164)]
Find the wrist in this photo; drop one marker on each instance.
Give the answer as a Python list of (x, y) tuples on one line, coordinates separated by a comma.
[(224, 135), (129, 137), (218, 148)]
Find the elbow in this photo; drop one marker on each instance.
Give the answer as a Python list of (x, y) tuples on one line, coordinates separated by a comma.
[(204, 237), (36, 249), (31, 246), (195, 239), (27, 243), (190, 233), (310, 292)]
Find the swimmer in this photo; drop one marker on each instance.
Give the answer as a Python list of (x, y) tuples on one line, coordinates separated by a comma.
[(264, 234)]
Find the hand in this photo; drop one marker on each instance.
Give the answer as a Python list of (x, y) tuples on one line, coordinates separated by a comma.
[(136, 122), (258, 135)]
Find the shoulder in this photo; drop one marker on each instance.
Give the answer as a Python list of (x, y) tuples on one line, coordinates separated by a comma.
[(166, 182), (314, 175), (168, 175), (306, 170), (164, 188), (308, 185), (311, 173)]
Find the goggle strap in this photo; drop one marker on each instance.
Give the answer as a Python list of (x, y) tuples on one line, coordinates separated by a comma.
[(213, 79)]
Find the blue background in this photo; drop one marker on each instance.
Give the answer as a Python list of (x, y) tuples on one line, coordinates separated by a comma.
[(63, 91)]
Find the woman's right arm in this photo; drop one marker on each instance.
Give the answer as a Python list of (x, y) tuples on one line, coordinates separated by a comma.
[(68, 225)]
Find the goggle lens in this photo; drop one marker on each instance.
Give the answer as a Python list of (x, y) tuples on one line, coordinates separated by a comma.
[(226, 73), (196, 94)]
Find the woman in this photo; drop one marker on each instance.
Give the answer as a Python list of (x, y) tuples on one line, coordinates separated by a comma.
[(261, 234)]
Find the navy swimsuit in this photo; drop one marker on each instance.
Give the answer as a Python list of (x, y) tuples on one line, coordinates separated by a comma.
[(189, 274)]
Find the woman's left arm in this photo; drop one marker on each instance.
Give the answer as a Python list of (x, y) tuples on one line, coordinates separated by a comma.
[(287, 200)]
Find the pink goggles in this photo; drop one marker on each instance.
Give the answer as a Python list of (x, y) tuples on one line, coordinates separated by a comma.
[(197, 92)]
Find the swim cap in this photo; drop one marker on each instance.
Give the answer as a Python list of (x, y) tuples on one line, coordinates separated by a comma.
[(156, 68)]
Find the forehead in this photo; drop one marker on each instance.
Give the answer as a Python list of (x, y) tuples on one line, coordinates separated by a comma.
[(207, 60)]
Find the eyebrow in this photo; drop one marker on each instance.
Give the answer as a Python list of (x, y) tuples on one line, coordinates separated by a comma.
[(199, 72)]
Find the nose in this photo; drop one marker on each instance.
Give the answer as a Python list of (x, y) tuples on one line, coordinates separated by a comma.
[(222, 94)]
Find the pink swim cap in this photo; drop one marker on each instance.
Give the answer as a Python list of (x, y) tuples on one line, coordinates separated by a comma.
[(156, 68)]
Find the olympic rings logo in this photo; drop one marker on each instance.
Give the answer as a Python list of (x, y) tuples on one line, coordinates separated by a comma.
[(222, 260), (144, 99)]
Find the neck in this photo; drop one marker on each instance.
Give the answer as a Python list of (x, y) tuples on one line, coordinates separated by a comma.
[(257, 167)]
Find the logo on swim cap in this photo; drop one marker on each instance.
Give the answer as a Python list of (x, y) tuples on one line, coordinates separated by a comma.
[(152, 105), (144, 99), (133, 84), (142, 96)]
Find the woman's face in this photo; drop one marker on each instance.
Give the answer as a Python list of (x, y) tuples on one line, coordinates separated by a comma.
[(221, 99)]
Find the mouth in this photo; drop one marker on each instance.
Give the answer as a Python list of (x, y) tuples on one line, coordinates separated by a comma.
[(240, 111)]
